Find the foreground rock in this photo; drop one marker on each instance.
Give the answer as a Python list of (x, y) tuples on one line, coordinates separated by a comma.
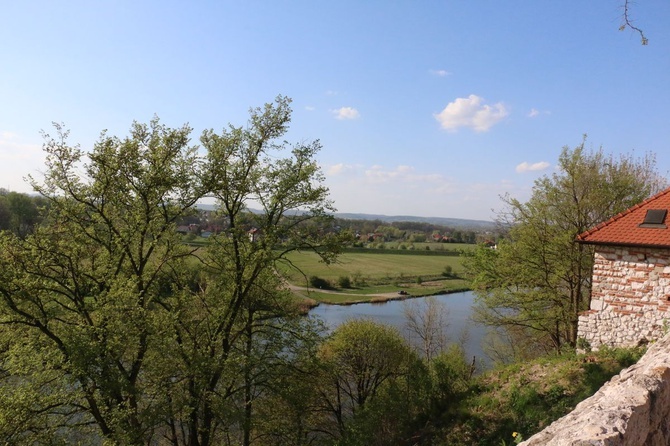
[(633, 408)]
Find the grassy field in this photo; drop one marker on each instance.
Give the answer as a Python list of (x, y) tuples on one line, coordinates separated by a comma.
[(376, 273)]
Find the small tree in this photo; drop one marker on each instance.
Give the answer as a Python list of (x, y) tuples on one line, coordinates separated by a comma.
[(359, 359), (538, 280), (426, 320), (344, 282)]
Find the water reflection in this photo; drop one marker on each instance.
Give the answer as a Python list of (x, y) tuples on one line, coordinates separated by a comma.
[(461, 327)]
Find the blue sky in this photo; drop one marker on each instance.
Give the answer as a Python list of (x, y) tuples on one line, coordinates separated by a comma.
[(427, 108)]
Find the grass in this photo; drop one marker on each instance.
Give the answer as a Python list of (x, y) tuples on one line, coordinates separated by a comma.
[(377, 268), (526, 397), (376, 273)]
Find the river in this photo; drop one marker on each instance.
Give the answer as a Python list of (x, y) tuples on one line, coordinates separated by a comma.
[(460, 326)]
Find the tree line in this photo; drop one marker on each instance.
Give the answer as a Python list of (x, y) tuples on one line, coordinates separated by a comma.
[(20, 213)]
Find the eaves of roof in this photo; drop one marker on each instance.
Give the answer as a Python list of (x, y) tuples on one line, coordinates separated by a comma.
[(624, 229)]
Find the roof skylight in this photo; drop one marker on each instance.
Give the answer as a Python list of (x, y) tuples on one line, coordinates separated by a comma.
[(655, 218)]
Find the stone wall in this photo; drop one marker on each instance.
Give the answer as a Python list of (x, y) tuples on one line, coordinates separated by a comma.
[(629, 298), (631, 409)]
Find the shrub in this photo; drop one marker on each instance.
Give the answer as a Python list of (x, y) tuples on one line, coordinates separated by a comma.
[(358, 279), (344, 282), (318, 282)]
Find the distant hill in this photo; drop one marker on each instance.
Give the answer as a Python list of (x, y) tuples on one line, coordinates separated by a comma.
[(451, 222), (443, 221)]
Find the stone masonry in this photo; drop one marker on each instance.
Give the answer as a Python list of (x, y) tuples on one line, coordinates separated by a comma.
[(632, 409), (630, 298)]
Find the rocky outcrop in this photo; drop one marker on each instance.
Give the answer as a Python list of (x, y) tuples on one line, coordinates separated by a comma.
[(633, 408)]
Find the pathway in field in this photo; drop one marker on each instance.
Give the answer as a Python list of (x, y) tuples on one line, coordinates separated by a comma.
[(389, 296)]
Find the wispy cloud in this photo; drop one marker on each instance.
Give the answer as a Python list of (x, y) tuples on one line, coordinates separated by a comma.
[(440, 73), (346, 113), (401, 173), (310, 108), (528, 167), (406, 190), (341, 169), (533, 113), (331, 93), (471, 112)]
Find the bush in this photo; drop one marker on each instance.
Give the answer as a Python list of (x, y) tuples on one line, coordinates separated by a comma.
[(358, 279), (318, 282), (344, 282), (448, 271)]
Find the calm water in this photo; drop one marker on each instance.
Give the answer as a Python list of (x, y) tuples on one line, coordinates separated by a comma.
[(460, 325)]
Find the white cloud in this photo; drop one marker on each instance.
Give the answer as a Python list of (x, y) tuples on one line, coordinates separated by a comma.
[(341, 169), (309, 108), (535, 112), (402, 173), (440, 73), (471, 112), (527, 167), (346, 113), (331, 93), (406, 190)]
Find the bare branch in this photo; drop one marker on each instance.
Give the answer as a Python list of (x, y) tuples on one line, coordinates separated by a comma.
[(628, 23)]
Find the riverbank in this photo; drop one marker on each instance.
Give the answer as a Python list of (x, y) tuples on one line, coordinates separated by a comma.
[(314, 298)]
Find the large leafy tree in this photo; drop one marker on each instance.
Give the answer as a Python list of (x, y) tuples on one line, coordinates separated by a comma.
[(78, 295), (111, 328), (538, 279), (238, 304)]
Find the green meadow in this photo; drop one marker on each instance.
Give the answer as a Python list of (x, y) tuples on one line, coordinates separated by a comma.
[(370, 274)]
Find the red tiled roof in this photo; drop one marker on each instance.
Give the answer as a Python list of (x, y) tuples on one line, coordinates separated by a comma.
[(624, 229)]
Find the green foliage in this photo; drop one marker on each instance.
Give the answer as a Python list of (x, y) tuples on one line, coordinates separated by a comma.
[(344, 282), (20, 213), (537, 280), (357, 279), (361, 362), (526, 397), (451, 377), (111, 329), (319, 283), (583, 344)]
